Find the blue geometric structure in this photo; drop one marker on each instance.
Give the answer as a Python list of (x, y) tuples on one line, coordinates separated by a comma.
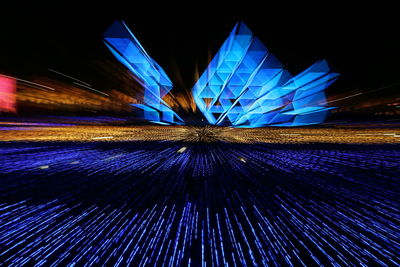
[(246, 86), (127, 49)]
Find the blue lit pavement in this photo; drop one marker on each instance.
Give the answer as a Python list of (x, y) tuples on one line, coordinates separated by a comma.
[(177, 203)]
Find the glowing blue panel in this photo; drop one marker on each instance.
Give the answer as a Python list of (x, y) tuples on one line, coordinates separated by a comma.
[(127, 49), (246, 86)]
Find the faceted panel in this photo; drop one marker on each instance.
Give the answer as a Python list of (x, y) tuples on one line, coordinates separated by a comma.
[(127, 49), (254, 90)]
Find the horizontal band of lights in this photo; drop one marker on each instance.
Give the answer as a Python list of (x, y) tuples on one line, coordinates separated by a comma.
[(127, 49), (246, 86)]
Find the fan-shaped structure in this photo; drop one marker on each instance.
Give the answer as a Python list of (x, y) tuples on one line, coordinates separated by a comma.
[(246, 86), (127, 49)]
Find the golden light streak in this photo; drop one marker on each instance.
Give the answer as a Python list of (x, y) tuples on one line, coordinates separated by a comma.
[(100, 133)]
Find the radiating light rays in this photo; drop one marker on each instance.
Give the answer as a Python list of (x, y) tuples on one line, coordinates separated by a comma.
[(64, 97), (99, 131), (143, 203)]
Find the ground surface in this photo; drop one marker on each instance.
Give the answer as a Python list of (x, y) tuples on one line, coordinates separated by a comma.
[(296, 196)]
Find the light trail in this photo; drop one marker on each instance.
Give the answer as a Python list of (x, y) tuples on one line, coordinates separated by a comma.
[(350, 96), (98, 133), (141, 203), (65, 75), (29, 82), (102, 137), (90, 88), (363, 93)]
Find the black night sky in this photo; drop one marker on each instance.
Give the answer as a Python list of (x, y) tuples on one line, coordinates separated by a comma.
[(360, 42)]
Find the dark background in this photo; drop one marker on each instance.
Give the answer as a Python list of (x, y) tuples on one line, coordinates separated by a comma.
[(360, 42)]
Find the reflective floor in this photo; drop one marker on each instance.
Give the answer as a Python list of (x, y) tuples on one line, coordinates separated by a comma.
[(177, 203), (61, 132)]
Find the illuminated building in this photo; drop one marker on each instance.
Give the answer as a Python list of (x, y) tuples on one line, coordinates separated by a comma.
[(246, 86), (243, 86), (127, 49)]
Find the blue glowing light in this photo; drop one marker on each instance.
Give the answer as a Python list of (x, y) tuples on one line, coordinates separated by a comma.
[(127, 49), (246, 86), (145, 203), (243, 86)]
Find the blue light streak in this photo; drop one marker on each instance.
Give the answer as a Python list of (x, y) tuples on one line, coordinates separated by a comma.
[(143, 203)]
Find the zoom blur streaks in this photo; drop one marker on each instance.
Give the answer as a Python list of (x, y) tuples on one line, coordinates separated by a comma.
[(197, 203), (73, 130)]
